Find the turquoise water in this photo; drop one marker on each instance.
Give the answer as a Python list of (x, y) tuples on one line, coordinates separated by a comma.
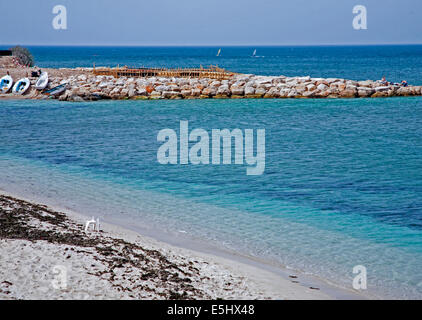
[(350, 62), (342, 185)]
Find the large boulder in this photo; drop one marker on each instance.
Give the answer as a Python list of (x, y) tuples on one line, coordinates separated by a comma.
[(260, 90), (162, 88), (196, 92), (237, 90), (405, 91), (322, 87), (348, 93), (366, 83), (249, 90), (382, 89), (210, 91), (223, 90), (365, 92)]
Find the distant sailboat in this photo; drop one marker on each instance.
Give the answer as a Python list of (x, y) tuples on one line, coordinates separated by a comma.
[(255, 56), (219, 52)]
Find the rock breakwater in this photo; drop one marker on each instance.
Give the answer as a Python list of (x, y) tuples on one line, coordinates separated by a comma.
[(90, 87)]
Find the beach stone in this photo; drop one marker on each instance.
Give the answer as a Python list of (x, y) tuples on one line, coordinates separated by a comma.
[(303, 79), (322, 87), (272, 93), (311, 87), (210, 91), (292, 93), (103, 85), (215, 84), (186, 93), (141, 91), (366, 83), (405, 91), (382, 89), (168, 94), (379, 94), (196, 92), (249, 90), (263, 80), (237, 90), (260, 91), (161, 88), (76, 98), (115, 91), (322, 93), (131, 92), (174, 88), (155, 95), (292, 83), (364, 92), (284, 93), (224, 90), (348, 93), (120, 82)]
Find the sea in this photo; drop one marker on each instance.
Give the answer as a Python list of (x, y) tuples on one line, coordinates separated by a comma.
[(342, 185)]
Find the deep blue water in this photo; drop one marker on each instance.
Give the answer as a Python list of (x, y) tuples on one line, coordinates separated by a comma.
[(351, 62), (343, 179)]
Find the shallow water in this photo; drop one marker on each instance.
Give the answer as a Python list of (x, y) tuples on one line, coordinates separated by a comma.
[(342, 184)]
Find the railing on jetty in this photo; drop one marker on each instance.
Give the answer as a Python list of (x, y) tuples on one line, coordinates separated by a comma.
[(213, 72)]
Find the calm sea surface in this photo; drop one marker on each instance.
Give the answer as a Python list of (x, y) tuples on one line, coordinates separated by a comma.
[(343, 179)]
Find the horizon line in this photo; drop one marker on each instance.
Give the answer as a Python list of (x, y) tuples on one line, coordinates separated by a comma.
[(221, 45)]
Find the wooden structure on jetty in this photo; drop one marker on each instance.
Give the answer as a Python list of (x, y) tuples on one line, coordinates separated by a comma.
[(213, 72)]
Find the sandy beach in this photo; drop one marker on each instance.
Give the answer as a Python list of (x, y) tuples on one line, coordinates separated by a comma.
[(46, 254)]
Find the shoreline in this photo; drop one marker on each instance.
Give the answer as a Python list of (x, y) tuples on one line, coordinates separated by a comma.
[(272, 282)]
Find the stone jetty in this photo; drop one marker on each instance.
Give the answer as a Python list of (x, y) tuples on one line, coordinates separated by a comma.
[(90, 87)]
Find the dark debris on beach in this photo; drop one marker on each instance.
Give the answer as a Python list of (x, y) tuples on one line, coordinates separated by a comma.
[(17, 219)]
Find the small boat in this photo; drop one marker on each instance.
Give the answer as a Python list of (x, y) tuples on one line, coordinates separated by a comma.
[(255, 56), (219, 52), (21, 86), (5, 84), (42, 81), (56, 90)]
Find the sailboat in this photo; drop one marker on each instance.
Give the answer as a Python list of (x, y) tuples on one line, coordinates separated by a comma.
[(219, 52), (255, 56)]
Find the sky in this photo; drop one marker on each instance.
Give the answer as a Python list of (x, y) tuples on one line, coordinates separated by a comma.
[(213, 23)]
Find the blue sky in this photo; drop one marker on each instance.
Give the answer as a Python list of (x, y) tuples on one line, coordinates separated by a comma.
[(216, 23)]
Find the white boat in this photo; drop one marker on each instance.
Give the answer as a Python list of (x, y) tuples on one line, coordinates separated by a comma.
[(42, 81), (5, 84), (21, 86), (219, 52)]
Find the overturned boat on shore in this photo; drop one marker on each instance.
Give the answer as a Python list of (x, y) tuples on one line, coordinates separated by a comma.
[(5, 84), (21, 86), (42, 81)]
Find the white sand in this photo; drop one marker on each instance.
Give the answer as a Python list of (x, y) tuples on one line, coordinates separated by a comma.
[(27, 271)]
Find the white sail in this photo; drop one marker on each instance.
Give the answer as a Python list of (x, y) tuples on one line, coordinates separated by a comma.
[(254, 53), (218, 53)]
